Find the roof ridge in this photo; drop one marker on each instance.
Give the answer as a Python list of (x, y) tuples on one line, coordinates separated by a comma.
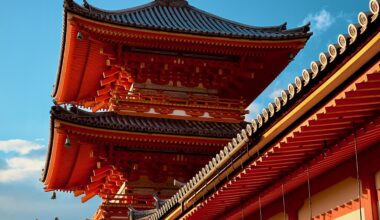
[(78, 112), (213, 24), (92, 8), (184, 4), (173, 3)]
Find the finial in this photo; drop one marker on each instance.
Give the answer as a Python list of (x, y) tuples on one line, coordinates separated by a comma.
[(85, 4)]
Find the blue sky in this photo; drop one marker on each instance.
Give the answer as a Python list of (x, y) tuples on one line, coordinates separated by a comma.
[(30, 45)]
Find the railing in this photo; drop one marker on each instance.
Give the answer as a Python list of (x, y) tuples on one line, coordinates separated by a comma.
[(123, 200), (187, 100)]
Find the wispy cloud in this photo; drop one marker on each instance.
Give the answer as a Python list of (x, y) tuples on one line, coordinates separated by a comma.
[(320, 21), (20, 168), (20, 146), (3, 163), (254, 108), (346, 17), (275, 93), (39, 139)]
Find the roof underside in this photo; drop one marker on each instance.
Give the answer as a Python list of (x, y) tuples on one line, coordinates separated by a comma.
[(179, 16), (113, 121)]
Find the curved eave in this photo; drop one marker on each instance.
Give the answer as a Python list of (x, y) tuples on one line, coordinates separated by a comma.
[(111, 121), (122, 34), (63, 128), (90, 7), (245, 31), (116, 29), (67, 167), (48, 156), (63, 43)]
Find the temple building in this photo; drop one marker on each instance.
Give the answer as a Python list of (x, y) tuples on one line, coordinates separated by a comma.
[(149, 108)]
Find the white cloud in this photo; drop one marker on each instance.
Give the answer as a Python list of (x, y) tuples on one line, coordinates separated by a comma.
[(22, 147), (254, 108), (20, 168), (320, 21), (39, 139), (275, 93), (346, 17)]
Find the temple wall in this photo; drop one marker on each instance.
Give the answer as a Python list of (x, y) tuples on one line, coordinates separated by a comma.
[(352, 215), (334, 196), (279, 216)]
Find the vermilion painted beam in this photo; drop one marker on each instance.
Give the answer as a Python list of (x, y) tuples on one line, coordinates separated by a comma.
[(94, 185), (284, 160), (334, 121), (102, 98), (88, 196), (99, 176), (304, 142), (113, 178), (358, 101), (78, 192), (326, 128), (98, 106), (273, 163), (286, 157), (285, 153), (361, 94), (316, 138), (248, 180), (103, 169), (275, 167), (346, 109), (292, 148), (103, 91), (373, 77), (313, 133), (375, 86), (111, 72)]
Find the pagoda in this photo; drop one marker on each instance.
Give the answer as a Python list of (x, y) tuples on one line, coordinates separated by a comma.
[(146, 96)]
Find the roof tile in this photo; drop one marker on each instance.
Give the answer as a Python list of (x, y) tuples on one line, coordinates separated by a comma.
[(179, 16), (111, 120)]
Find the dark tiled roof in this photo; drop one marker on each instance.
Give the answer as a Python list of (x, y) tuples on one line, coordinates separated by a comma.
[(113, 121), (179, 16)]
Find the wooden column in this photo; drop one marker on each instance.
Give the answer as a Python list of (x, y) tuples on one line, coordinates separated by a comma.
[(293, 215), (369, 198), (294, 204)]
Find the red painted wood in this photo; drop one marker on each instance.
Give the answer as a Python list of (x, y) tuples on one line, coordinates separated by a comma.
[(340, 148)]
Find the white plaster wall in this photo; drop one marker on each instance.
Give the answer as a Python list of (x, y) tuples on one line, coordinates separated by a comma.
[(279, 216), (330, 198)]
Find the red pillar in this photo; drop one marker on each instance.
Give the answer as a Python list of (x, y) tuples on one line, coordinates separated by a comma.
[(369, 197), (294, 206), (293, 215)]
